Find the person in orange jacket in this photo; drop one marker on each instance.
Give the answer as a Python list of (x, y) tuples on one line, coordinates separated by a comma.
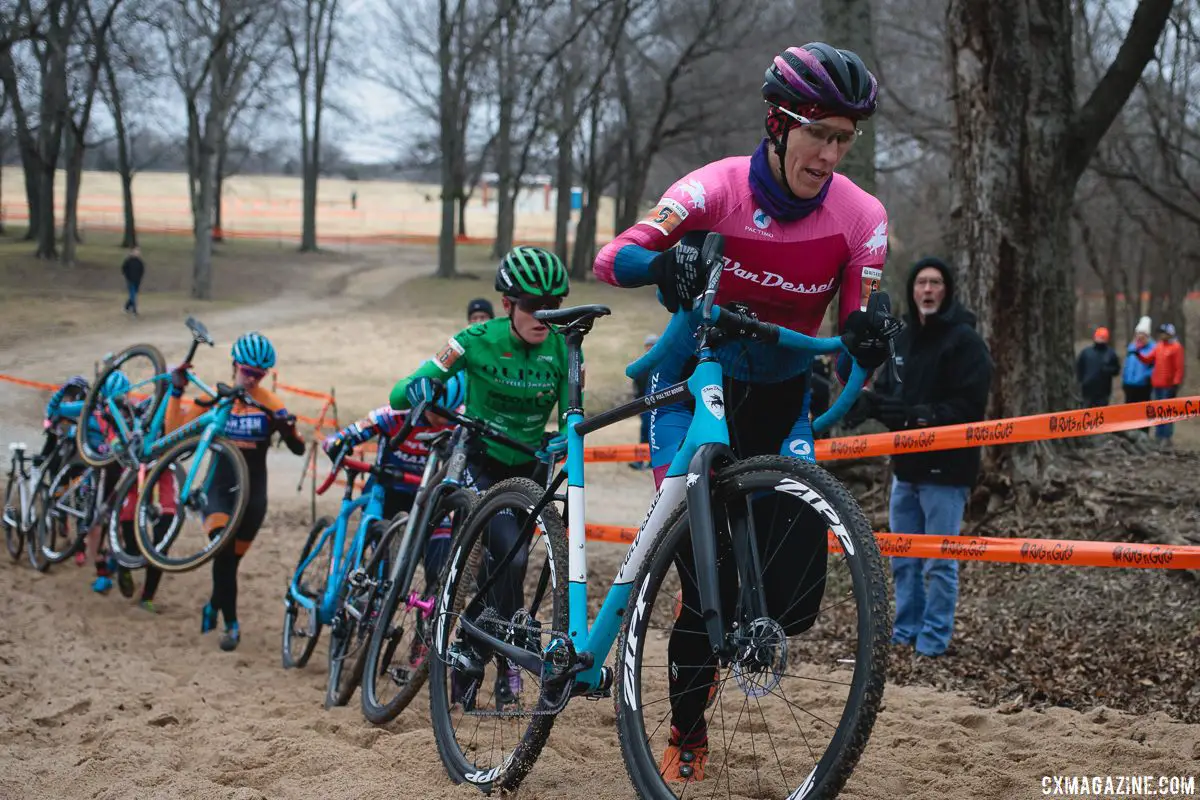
[(1167, 359)]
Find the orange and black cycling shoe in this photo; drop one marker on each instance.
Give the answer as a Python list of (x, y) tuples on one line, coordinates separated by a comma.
[(684, 759)]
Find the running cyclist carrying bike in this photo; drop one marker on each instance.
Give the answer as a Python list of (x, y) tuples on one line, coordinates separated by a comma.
[(251, 429), (795, 234), (517, 373)]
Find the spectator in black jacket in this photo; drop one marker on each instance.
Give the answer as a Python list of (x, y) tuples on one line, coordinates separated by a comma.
[(1095, 369), (134, 270), (945, 374)]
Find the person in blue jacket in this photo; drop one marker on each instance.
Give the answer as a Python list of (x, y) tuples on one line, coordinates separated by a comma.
[(1135, 380)]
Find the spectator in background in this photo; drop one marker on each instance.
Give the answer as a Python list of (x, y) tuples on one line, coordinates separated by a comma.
[(945, 374), (1135, 381), (353, 200), (1167, 360), (639, 390), (134, 270), (1095, 369), (479, 310)]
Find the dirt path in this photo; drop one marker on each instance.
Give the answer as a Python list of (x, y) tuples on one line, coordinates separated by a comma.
[(101, 700)]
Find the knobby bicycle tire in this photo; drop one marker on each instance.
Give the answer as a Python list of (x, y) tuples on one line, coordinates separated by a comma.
[(147, 537), (384, 641), (91, 402), (291, 609), (812, 485), (516, 493)]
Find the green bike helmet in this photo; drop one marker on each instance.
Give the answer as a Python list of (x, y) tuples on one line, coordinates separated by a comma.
[(532, 271)]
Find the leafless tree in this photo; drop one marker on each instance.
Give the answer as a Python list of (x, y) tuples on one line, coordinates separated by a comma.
[(309, 33), (131, 71), (211, 48), (848, 26), (21, 24), (93, 33), (52, 49), (1022, 145), (665, 87), (1155, 151), (445, 43)]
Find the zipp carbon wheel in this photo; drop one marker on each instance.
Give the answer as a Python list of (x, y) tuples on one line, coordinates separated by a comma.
[(787, 710)]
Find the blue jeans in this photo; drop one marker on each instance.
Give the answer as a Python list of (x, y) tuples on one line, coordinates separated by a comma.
[(926, 588), (1166, 393), (131, 304)]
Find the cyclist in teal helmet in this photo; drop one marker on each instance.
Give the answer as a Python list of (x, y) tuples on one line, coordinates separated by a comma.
[(254, 350), (517, 374), (251, 428)]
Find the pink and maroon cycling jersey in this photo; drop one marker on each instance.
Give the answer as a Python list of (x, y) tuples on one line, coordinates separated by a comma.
[(786, 272)]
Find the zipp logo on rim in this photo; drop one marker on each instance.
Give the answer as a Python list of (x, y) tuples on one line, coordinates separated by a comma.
[(813, 498), (480, 777), (631, 648)]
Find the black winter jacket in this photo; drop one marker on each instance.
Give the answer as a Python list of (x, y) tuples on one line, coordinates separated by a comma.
[(946, 373)]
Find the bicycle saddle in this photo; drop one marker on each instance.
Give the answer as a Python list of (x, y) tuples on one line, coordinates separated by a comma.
[(199, 332), (569, 316)]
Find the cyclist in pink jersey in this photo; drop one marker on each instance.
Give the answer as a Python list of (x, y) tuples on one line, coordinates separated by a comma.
[(796, 233)]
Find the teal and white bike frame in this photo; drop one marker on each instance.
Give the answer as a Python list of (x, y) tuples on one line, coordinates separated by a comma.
[(706, 443), (140, 446), (704, 448)]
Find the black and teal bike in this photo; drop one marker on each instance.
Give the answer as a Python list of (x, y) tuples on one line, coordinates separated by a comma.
[(789, 707)]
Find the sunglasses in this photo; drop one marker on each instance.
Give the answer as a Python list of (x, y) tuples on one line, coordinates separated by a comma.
[(532, 304), (821, 133), (251, 372)]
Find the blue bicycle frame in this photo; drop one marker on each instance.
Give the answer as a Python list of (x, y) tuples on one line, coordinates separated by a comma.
[(707, 440), (153, 445), (370, 503)]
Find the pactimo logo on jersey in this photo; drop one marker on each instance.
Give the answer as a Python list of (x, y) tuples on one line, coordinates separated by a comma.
[(773, 280)]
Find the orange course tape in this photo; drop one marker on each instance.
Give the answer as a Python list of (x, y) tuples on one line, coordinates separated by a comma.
[(1018, 430), (49, 387), (981, 548)]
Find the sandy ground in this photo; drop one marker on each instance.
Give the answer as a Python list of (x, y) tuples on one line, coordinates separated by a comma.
[(99, 699)]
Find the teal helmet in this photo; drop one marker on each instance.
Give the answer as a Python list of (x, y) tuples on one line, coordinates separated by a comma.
[(254, 350), (532, 271), (115, 385)]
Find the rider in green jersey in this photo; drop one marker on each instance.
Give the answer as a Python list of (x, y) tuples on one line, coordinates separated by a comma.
[(517, 374)]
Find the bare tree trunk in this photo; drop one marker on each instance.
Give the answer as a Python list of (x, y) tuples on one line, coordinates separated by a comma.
[(1020, 150), (202, 246), (218, 230), (124, 161), (848, 23), (46, 247), (310, 42), (71, 209), (584, 254), (565, 134), (26, 144), (507, 184), (448, 139)]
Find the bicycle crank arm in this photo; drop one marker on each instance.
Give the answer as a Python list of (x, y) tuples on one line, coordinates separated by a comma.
[(516, 655)]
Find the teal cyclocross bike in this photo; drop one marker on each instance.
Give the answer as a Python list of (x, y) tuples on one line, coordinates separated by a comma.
[(788, 706), (181, 475), (335, 582)]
